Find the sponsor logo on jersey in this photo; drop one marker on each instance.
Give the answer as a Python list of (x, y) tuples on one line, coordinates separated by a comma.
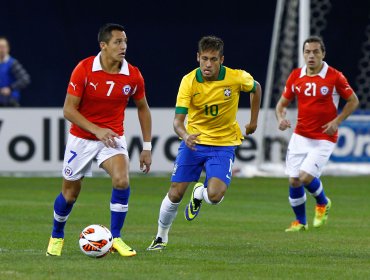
[(298, 88), (126, 89), (73, 85), (324, 90), (227, 92), (68, 171), (94, 86)]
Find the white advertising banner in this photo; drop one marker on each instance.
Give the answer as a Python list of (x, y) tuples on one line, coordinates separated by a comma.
[(32, 140)]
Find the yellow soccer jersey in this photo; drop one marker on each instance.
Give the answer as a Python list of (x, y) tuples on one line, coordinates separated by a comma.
[(212, 105)]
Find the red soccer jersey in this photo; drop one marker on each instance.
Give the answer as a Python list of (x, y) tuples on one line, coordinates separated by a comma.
[(318, 98), (104, 96)]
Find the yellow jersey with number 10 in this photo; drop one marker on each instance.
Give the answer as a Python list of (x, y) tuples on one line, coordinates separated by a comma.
[(212, 105)]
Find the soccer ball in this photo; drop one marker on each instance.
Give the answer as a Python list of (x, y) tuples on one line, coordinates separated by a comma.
[(95, 241)]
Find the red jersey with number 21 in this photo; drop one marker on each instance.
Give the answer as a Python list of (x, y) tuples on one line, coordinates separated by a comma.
[(104, 96), (317, 98)]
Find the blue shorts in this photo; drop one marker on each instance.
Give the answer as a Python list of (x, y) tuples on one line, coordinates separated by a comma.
[(217, 161)]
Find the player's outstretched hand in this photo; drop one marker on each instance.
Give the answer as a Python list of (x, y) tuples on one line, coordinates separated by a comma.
[(106, 135), (191, 141), (145, 161), (284, 124), (250, 128)]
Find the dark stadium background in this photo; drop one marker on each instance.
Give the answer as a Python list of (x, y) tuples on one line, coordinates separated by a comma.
[(50, 37)]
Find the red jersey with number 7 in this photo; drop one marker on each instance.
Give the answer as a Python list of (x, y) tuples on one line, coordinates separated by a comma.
[(317, 98), (104, 96)]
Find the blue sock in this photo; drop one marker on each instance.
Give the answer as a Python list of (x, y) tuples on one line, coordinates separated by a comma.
[(61, 211), (118, 210), (317, 191), (297, 199)]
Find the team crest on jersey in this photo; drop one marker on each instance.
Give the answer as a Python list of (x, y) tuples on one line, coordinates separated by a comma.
[(324, 90), (68, 171), (126, 89), (227, 92)]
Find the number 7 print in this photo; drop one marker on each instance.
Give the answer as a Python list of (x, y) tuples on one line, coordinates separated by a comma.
[(74, 154)]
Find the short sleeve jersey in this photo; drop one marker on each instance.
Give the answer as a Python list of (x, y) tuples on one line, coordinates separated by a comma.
[(212, 105), (317, 97), (104, 96)]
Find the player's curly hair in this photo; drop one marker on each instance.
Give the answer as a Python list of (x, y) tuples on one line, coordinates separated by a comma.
[(105, 32), (314, 39), (211, 43)]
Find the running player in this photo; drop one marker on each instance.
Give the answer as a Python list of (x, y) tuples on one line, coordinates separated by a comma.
[(317, 87), (209, 97)]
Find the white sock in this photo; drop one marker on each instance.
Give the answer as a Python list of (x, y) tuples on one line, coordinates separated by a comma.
[(206, 198), (198, 193), (167, 214)]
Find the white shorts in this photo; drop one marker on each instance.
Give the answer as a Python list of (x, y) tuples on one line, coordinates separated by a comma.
[(80, 153), (308, 155)]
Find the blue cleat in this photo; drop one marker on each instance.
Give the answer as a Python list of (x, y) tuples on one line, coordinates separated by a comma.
[(192, 209), (157, 245)]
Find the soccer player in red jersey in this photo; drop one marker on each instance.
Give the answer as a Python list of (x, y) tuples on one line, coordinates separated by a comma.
[(318, 88), (97, 95)]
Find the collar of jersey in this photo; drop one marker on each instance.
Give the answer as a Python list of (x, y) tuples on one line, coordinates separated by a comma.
[(97, 66), (322, 72), (221, 74)]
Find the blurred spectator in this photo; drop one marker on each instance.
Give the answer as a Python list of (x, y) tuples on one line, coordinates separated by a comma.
[(13, 77)]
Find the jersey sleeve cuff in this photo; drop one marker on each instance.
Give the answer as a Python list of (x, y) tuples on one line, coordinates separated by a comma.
[(181, 110), (253, 90)]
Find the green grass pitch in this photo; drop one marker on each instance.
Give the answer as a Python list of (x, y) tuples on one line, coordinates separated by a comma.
[(242, 238)]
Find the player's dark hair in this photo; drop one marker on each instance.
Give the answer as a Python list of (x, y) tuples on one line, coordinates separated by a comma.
[(315, 39), (105, 32), (212, 43)]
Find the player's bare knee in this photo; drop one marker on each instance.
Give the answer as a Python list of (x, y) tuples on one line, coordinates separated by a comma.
[(305, 178), (306, 181), (295, 182), (216, 198), (71, 190), (216, 190), (176, 192), (174, 196), (120, 183), (70, 196)]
